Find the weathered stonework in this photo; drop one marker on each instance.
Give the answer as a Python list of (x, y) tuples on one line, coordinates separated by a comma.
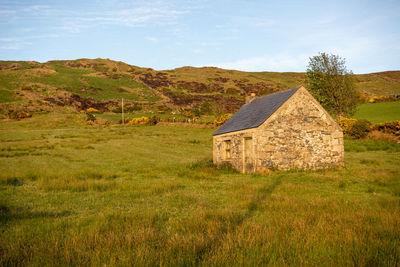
[(300, 134)]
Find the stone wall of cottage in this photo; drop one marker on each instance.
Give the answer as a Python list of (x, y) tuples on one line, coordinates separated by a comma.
[(299, 135), (236, 140)]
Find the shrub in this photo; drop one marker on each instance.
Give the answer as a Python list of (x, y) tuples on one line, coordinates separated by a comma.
[(390, 127), (18, 115), (196, 112), (92, 110), (90, 117), (355, 128), (382, 98), (137, 121), (222, 119), (362, 98), (186, 112), (346, 124), (154, 120), (359, 129)]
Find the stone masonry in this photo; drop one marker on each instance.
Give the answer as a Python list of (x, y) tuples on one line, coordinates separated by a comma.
[(300, 134)]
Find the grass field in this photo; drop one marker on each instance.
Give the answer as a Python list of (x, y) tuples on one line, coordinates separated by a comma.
[(149, 195), (379, 112)]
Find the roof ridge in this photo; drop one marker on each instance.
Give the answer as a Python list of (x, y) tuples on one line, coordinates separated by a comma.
[(280, 92)]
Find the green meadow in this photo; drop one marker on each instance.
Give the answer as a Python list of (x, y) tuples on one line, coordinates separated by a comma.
[(379, 112), (72, 194)]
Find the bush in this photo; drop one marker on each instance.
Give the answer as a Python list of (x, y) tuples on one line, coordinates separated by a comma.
[(346, 124), (222, 119), (186, 112), (137, 121), (18, 115), (154, 120), (360, 129), (362, 98), (90, 117), (92, 110), (382, 98), (390, 127), (353, 128)]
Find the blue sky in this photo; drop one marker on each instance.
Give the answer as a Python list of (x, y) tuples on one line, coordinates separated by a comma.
[(245, 35)]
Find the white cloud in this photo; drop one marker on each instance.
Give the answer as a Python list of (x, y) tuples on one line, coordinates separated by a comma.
[(131, 17), (153, 13), (129, 14), (36, 8)]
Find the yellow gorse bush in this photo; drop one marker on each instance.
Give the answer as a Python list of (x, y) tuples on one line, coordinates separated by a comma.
[(222, 119), (390, 127), (140, 120), (92, 110), (382, 98), (377, 99), (19, 115), (346, 124)]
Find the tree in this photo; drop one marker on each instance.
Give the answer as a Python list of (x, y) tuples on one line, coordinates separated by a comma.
[(332, 84)]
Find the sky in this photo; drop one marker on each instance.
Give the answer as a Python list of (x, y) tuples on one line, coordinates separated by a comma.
[(248, 35)]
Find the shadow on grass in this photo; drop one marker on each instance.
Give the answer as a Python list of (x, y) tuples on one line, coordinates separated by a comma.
[(9, 214), (255, 203), (205, 164)]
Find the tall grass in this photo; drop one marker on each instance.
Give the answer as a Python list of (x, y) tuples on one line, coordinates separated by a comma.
[(151, 196)]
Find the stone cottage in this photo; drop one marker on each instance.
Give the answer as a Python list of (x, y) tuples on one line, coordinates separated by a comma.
[(286, 130)]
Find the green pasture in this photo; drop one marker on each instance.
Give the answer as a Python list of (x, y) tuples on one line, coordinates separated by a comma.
[(379, 112), (72, 194)]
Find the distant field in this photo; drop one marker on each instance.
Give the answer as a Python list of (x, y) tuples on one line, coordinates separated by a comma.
[(379, 112), (72, 194)]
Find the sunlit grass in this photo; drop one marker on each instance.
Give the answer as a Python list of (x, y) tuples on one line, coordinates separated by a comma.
[(149, 195), (379, 112)]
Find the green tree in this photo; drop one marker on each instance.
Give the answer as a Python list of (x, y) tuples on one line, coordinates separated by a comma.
[(332, 84)]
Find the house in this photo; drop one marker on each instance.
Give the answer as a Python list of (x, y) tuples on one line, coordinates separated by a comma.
[(286, 130)]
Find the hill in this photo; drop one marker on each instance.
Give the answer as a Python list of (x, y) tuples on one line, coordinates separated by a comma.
[(73, 85)]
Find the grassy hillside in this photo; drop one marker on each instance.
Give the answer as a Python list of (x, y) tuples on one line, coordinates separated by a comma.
[(381, 83), (379, 112), (73, 195), (73, 85)]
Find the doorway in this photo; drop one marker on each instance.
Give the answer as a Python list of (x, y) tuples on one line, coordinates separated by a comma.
[(248, 154)]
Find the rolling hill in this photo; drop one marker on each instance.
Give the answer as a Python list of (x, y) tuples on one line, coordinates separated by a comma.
[(74, 85)]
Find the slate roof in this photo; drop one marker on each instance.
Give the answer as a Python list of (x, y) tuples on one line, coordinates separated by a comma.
[(254, 113)]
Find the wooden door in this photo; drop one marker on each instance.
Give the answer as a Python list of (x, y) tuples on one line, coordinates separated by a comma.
[(248, 155)]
